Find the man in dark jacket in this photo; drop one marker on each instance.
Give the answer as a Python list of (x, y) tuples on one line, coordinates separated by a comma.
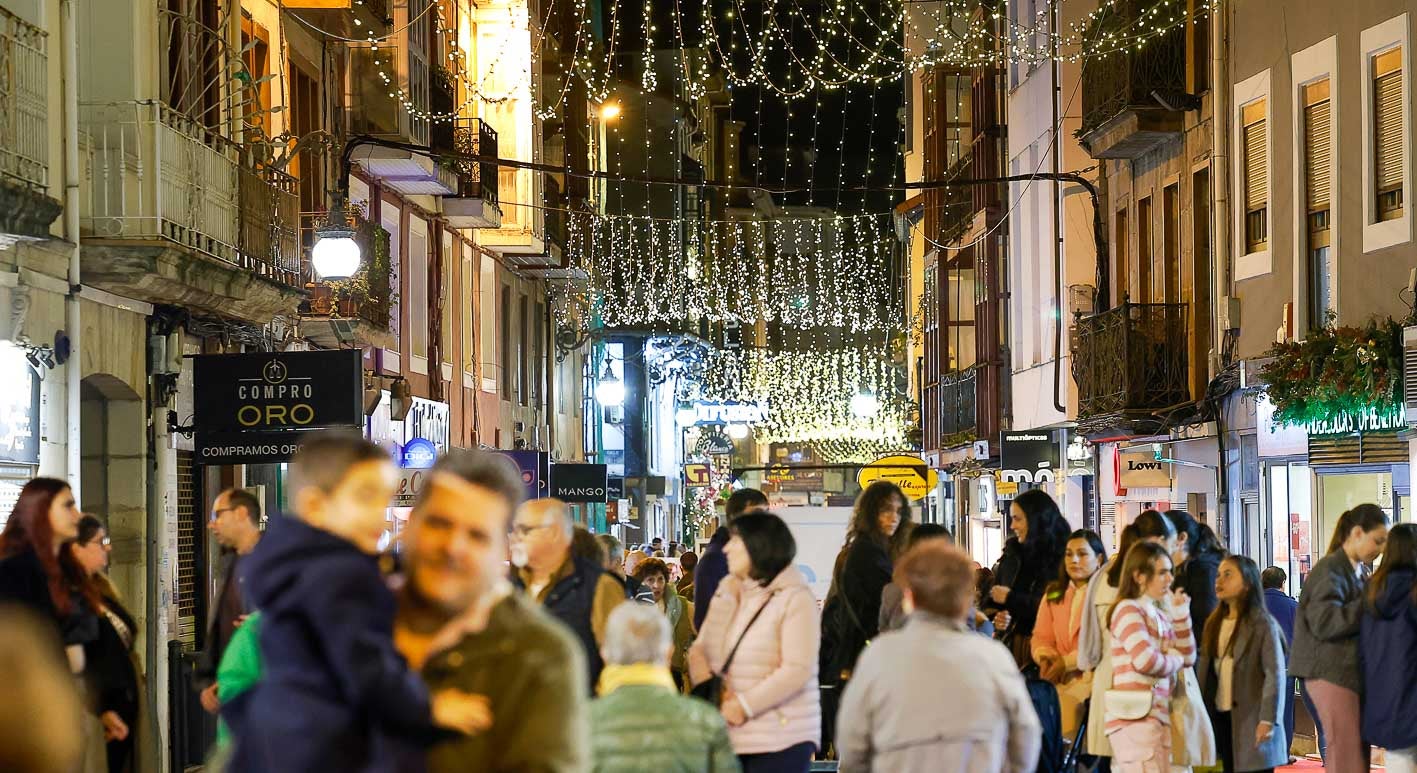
[(713, 564), (334, 694), (1282, 607), (465, 627), (571, 589), (236, 524), (615, 567)]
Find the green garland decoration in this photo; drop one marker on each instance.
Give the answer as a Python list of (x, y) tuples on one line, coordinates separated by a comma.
[(1336, 371)]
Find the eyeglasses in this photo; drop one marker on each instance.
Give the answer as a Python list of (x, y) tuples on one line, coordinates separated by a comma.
[(523, 531), (218, 511)]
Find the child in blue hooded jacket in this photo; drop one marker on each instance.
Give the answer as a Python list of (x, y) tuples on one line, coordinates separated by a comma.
[(1387, 647), (335, 695)]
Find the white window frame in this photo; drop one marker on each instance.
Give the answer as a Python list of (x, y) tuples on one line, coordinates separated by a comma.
[(489, 287), (1307, 67), (417, 305), (1247, 92), (391, 217), (468, 305), (1373, 41)]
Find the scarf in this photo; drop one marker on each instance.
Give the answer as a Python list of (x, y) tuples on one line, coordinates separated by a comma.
[(613, 677)]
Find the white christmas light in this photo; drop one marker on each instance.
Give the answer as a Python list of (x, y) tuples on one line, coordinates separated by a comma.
[(865, 404)]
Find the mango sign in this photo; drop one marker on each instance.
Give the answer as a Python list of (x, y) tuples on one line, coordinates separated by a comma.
[(910, 473)]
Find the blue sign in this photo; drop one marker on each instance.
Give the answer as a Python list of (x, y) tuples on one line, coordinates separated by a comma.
[(418, 454)]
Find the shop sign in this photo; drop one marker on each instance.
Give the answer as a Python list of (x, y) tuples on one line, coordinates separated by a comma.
[(535, 469), (429, 420), (696, 475), (418, 454), (717, 444), (277, 391), (271, 447), (1029, 457), (730, 412), (1388, 417), (1142, 470), (19, 409), (411, 482), (910, 473), (579, 482)]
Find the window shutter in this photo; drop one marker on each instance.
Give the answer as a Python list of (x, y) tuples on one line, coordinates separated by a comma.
[(1387, 125), (1318, 151), (1256, 166)]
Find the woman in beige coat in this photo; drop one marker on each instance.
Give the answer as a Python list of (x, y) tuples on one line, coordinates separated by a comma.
[(766, 609)]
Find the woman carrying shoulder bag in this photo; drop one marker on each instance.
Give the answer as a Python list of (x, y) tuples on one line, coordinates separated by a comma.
[(760, 643), (1242, 672), (1151, 644)]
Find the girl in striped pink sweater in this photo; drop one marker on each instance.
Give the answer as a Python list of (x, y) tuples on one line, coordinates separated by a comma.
[(1151, 643)]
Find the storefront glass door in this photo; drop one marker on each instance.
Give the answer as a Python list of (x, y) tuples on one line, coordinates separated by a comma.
[(1291, 521)]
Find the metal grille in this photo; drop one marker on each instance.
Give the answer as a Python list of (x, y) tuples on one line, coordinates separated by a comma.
[(188, 585), (1371, 448), (1131, 358), (957, 398), (1318, 155), (1127, 79), (24, 107)]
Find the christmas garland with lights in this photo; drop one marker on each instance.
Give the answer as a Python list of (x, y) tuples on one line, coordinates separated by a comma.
[(1335, 372)]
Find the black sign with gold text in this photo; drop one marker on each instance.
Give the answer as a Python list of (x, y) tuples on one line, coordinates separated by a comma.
[(277, 391)]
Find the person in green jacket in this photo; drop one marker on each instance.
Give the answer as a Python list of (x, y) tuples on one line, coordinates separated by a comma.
[(636, 686), (239, 670)]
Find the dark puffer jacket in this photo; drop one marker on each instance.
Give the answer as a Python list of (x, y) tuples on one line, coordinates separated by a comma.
[(1387, 646), (851, 616)]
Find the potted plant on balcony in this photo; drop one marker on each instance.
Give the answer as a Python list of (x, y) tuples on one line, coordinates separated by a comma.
[(369, 294)]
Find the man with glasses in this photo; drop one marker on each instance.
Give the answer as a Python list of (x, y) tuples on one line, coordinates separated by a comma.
[(573, 590), (464, 627), (236, 523)]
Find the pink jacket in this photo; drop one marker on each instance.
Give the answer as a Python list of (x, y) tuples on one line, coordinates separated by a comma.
[(1056, 631), (774, 672)]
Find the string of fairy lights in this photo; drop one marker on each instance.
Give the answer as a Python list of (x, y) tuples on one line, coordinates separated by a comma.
[(808, 272)]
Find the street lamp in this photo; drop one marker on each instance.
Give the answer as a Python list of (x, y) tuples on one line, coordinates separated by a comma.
[(335, 255), (610, 391), (865, 404)]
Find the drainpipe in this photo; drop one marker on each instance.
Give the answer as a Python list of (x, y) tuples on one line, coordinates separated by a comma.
[(1220, 170), (1059, 282), (73, 369)]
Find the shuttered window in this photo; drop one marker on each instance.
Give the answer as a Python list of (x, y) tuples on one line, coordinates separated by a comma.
[(1256, 160), (1387, 132), (1318, 152)]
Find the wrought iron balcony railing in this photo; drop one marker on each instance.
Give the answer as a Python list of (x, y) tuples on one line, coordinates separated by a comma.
[(1131, 358), (474, 137), (158, 175), (957, 412), (1126, 79), (24, 102)]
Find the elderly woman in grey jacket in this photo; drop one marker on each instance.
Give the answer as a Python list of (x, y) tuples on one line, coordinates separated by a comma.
[(892, 717), (1242, 672)]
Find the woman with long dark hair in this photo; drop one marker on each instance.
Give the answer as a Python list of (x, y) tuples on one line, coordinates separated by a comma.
[(879, 530), (1040, 538), (1055, 634), (111, 674), (1094, 638), (1197, 556), (1325, 651), (1388, 644), (46, 516), (1242, 672)]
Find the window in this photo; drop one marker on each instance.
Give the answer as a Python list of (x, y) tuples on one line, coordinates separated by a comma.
[(1144, 250), (390, 216), (417, 290), (505, 351), (465, 306), (1255, 152), (1119, 242), (1387, 132), (1318, 156), (1200, 310), (1198, 46), (256, 93), (1171, 243), (524, 355), (488, 341), (452, 252), (538, 373)]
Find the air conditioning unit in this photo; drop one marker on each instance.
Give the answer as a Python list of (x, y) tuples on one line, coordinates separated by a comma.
[(1409, 374)]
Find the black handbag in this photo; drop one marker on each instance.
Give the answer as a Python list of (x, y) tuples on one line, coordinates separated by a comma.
[(711, 689)]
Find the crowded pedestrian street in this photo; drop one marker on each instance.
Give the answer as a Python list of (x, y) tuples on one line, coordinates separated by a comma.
[(707, 386)]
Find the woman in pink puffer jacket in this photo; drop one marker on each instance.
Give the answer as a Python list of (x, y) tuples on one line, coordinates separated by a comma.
[(771, 699)]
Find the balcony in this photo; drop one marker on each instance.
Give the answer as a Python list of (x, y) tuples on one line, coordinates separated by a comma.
[(1130, 364), (475, 203), (357, 310), (173, 213), (1121, 115), (377, 108), (957, 416), (26, 210)]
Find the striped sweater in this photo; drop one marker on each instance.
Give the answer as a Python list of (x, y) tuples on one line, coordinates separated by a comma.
[(1148, 650)]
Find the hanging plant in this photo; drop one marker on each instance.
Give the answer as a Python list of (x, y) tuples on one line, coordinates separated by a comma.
[(369, 294), (1337, 372)]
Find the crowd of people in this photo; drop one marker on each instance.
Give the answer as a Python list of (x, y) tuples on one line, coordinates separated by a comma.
[(509, 638)]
